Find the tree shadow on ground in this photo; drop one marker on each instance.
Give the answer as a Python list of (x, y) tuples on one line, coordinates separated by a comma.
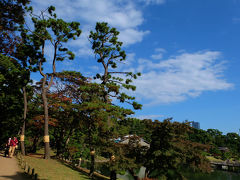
[(71, 166), (18, 176)]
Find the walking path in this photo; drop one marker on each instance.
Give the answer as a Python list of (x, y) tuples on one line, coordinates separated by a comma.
[(9, 169)]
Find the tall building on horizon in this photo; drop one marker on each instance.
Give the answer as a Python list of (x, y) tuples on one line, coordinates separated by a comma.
[(195, 124)]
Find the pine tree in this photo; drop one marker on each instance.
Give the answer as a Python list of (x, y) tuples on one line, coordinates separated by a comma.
[(49, 30), (108, 52)]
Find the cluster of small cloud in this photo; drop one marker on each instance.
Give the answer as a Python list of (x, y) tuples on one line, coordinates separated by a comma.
[(180, 77), (158, 53)]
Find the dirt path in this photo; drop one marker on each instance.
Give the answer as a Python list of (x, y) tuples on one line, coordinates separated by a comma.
[(9, 169)]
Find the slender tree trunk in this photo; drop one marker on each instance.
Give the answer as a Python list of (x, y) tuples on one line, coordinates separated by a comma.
[(22, 139), (46, 135), (34, 146), (106, 99), (92, 163), (24, 122), (59, 144), (92, 152), (45, 103), (113, 174)]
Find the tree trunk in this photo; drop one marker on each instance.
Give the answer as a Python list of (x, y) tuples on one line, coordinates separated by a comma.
[(92, 152), (113, 175), (46, 135), (24, 122), (22, 141), (34, 146), (59, 145), (135, 177), (92, 164)]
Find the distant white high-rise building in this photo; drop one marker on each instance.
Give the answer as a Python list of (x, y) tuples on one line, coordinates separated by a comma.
[(195, 124)]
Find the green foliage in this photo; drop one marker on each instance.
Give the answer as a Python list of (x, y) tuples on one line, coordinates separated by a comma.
[(232, 141), (66, 112), (130, 156), (226, 155), (200, 136), (108, 52), (141, 128), (47, 27), (12, 13), (85, 115), (215, 151), (170, 151), (11, 99)]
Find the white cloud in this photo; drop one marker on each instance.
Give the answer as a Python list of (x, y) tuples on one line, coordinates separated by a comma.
[(180, 77), (130, 58), (155, 116), (95, 68), (132, 36), (148, 2), (122, 14), (158, 53)]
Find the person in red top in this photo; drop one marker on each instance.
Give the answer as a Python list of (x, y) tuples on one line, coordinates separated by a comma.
[(13, 144), (16, 141)]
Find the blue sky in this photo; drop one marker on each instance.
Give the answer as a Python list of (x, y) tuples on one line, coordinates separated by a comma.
[(188, 52)]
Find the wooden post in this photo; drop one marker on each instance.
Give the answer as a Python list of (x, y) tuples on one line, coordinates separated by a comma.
[(79, 163), (22, 164), (25, 166), (33, 172)]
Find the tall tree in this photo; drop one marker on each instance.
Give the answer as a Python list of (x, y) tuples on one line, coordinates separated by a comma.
[(13, 44), (27, 55), (49, 30), (108, 52)]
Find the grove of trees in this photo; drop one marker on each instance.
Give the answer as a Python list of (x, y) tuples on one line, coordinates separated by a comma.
[(82, 117)]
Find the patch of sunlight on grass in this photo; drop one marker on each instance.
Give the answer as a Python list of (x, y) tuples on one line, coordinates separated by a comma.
[(53, 169), (211, 158), (41, 151)]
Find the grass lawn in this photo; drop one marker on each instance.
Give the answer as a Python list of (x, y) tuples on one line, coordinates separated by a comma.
[(211, 158), (53, 169)]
